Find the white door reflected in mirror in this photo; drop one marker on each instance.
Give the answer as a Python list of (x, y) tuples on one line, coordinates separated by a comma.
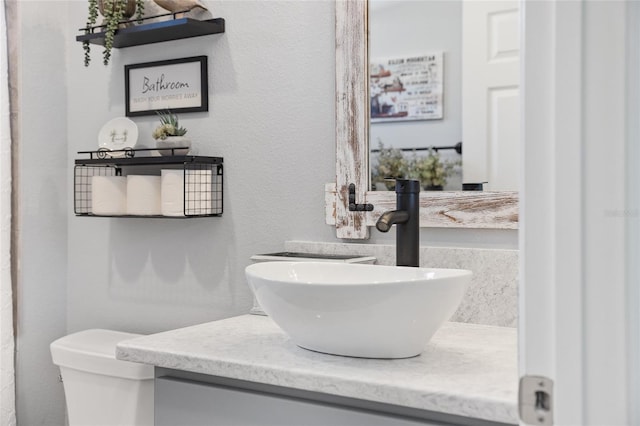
[(491, 93)]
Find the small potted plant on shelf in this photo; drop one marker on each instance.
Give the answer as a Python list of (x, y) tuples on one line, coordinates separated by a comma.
[(114, 12), (431, 171), (390, 164), (169, 135)]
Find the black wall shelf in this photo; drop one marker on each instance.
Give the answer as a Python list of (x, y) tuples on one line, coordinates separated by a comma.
[(202, 192), (157, 32)]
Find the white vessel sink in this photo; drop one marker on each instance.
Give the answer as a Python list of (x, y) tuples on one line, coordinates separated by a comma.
[(368, 311)]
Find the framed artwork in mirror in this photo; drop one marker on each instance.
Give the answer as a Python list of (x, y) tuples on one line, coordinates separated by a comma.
[(406, 88)]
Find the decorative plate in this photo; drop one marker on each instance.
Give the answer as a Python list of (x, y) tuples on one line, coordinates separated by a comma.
[(118, 135)]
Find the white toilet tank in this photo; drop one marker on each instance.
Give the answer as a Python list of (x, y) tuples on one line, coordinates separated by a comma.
[(99, 389)]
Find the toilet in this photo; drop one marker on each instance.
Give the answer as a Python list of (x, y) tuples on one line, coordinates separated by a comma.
[(99, 389)]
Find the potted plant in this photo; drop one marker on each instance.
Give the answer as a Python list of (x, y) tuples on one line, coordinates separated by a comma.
[(390, 164), (114, 12), (170, 135), (431, 171)]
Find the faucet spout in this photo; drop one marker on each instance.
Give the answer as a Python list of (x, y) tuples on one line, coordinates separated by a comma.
[(390, 218), (407, 217)]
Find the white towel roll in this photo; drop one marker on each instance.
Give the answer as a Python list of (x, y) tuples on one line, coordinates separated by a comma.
[(143, 195), (109, 195)]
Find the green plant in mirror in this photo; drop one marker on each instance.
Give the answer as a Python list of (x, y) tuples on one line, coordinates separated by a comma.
[(431, 170), (390, 164)]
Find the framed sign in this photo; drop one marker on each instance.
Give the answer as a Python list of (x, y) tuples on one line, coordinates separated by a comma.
[(179, 85), (406, 88)]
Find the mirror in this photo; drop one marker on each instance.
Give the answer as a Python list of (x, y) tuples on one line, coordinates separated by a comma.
[(424, 104), (455, 209)]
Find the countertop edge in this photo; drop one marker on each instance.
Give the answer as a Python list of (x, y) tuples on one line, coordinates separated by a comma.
[(428, 397)]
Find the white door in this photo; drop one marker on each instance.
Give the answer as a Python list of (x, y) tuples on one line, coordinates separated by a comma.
[(490, 93), (578, 221)]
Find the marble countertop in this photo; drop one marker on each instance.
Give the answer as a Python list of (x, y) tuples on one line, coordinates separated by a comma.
[(467, 369)]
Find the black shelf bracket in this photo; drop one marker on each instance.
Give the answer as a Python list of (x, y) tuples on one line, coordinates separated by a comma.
[(355, 207)]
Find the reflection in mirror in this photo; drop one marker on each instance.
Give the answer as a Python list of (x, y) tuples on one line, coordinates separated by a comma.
[(416, 45), (450, 209), (423, 103)]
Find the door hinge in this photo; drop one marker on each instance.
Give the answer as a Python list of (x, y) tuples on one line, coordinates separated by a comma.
[(535, 400)]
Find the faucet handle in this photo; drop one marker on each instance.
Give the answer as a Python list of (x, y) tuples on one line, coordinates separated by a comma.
[(407, 186), (355, 207)]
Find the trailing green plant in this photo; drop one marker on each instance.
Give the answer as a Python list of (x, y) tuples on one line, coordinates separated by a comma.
[(169, 126), (114, 15), (139, 11), (390, 164), (91, 21), (115, 12)]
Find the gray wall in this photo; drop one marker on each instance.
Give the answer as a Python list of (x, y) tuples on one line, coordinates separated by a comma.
[(42, 210), (270, 117), (271, 79)]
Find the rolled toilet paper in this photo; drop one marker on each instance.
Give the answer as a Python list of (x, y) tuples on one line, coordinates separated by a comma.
[(172, 192), (143, 195), (198, 199), (109, 195)]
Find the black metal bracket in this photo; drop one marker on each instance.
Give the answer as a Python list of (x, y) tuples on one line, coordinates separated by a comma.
[(353, 206)]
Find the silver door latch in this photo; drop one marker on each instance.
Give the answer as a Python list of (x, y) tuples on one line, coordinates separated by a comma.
[(535, 400)]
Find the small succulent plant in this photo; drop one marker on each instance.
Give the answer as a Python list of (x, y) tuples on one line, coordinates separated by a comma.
[(169, 126)]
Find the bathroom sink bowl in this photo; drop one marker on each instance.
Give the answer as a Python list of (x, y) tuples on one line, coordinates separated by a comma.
[(367, 311)]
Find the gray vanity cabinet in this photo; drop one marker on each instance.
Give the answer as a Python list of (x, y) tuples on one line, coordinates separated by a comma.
[(182, 402), (201, 400)]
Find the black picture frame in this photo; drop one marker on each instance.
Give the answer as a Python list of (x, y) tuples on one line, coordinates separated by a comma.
[(185, 89)]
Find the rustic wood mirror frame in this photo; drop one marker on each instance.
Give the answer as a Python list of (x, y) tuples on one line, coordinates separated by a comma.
[(450, 209)]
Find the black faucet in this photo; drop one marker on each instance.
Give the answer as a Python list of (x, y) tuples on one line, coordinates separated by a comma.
[(407, 217)]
